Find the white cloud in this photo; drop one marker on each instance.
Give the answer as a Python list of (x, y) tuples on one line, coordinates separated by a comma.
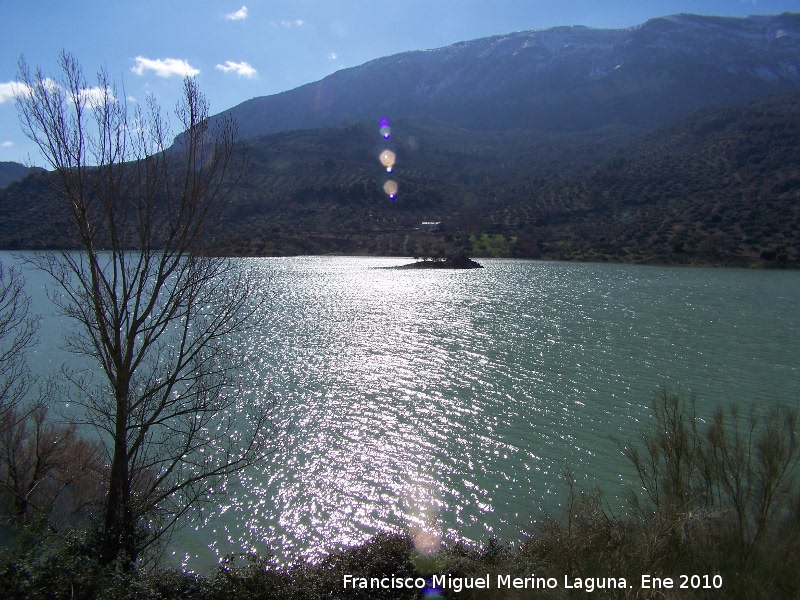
[(242, 69), (164, 67), (333, 56), (238, 15), (6, 144), (7, 91), (293, 24), (96, 96), (92, 96), (10, 90)]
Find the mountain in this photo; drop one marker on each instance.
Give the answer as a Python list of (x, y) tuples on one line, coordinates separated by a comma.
[(560, 79), (11, 172), (721, 186), (528, 145)]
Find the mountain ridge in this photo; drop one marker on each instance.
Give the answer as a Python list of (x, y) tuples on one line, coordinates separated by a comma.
[(14, 171), (559, 79)]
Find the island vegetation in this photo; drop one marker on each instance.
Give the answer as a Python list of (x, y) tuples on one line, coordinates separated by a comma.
[(453, 261)]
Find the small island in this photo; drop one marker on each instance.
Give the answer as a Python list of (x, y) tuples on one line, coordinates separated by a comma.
[(457, 261)]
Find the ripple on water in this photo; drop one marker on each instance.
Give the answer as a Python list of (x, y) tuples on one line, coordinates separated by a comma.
[(449, 401)]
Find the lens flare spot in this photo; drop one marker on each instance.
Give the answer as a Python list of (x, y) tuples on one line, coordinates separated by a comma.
[(390, 187), (387, 159), (386, 132)]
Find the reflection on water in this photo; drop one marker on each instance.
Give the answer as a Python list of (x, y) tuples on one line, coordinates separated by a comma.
[(448, 401)]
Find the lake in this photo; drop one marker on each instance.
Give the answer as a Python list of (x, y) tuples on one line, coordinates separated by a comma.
[(449, 401)]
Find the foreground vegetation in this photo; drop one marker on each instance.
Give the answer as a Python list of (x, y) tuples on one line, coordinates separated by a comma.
[(717, 498)]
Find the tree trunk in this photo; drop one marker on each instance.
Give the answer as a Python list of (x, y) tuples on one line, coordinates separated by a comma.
[(119, 534)]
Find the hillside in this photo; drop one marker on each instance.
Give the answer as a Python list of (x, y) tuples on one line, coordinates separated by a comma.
[(11, 172), (721, 186)]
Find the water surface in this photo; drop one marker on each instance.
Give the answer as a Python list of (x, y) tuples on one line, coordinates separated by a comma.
[(449, 401)]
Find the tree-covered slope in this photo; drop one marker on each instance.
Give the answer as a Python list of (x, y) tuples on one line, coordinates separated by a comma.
[(11, 172), (721, 186)]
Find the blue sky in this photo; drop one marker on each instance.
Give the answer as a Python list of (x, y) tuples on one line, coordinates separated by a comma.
[(239, 49)]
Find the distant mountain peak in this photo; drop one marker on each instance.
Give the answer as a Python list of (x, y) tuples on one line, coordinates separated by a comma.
[(567, 78)]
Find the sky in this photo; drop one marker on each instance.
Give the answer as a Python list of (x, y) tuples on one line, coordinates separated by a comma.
[(240, 49)]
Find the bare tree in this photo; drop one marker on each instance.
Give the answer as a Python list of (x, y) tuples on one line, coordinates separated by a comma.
[(730, 485), (17, 330), (162, 319), (753, 458), (46, 469)]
